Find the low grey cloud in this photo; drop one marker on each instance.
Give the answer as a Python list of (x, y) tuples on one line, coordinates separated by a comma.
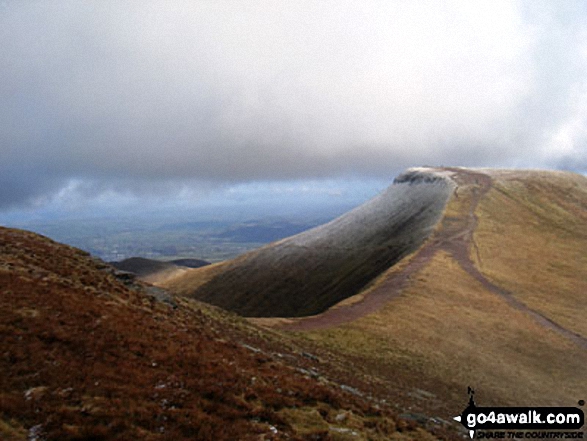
[(131, 95)]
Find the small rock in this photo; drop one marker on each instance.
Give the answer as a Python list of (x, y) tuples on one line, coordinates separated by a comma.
[(422, 394), (352, 390), (310, 356), (35, 393), (341, 417), (250, 348), (35, 433), (418, 417)]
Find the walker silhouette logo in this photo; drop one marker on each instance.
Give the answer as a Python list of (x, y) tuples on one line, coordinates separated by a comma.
[(519, 418)]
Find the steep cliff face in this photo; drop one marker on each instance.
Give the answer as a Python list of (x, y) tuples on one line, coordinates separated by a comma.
[(307, 273)]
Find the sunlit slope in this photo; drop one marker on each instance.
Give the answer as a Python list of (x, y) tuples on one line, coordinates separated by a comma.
[(496, 299), (309, 272), (532, 240)]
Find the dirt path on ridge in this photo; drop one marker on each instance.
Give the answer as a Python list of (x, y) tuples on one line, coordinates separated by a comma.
[(455, 236), (453, 229)]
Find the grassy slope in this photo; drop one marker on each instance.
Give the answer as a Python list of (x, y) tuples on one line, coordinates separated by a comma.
[(544, 224), (447, 331), (84, 356)]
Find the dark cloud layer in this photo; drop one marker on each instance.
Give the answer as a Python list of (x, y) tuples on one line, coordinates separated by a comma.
[(130, 95)]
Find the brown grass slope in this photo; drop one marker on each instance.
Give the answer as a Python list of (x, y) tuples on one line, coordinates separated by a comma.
[(309, 272), (84, 356), (496, 299)]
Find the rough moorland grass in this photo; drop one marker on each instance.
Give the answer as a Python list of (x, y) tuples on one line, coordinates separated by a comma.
[(447, 331), (83, 356), (12, 431), (532, 240)]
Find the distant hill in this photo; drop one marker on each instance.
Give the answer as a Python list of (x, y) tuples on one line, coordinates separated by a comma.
[(87, 355), (262, 232), (190, 263), (145, 267), (451, 278), (150, 270), (142, 266)]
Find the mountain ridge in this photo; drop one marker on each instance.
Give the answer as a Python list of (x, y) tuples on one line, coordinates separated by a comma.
[(495, 297), (330, 262)]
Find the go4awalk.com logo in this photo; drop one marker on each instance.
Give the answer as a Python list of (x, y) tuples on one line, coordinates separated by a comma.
[(522, 422)]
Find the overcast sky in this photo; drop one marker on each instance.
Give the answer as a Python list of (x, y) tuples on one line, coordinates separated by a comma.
[(102, 100)]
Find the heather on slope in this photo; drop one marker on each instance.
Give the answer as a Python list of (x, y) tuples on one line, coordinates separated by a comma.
[(86, 356)]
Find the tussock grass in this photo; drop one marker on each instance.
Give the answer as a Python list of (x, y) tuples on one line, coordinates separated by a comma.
[(12, 431)]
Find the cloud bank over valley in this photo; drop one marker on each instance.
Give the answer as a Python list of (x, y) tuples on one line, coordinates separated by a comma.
[(182, 101)]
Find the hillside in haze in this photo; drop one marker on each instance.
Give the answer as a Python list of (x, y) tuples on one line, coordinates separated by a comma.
[(169, 234), (149, 269), (88, 356), (494, 298)]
